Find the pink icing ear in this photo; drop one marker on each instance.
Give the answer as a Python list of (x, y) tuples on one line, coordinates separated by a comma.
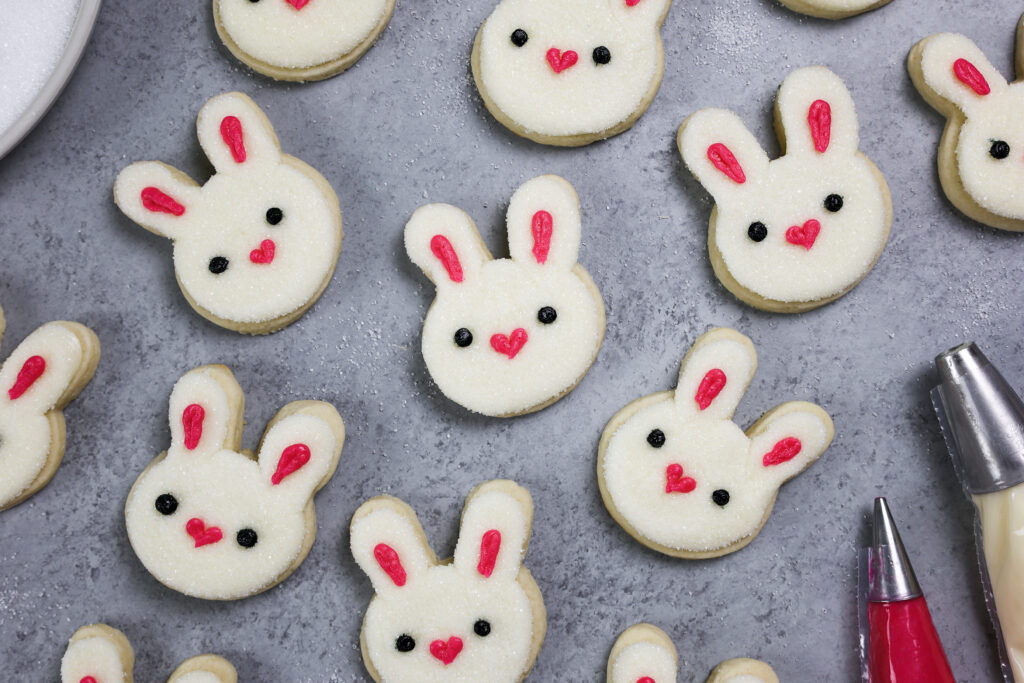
[(231, 131), (192, 420), (819, 118), (490, 544), (542, 226), (160, 202), (645, 679), (633, 3), (710, 387), (969, 75), (292, 459), (726, 162), (33, 368), (88, 679), (445, 253), (783, 451), (389, 561)]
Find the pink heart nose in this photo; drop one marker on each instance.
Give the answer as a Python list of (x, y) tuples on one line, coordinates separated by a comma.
[(297, 4), (202, 534), (675, 482), (446, 651), (510, 345), (560, 61), (804, 235), (265, 254)]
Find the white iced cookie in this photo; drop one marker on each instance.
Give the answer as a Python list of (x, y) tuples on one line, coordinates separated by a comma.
[(40, 377), (100, 654), (300, 40), (478, 617), (833, 9), (981, 156), (508, 336), (798, 232), (743, 670), (257, 244), (569, 72), (214, 522), (682, 478)]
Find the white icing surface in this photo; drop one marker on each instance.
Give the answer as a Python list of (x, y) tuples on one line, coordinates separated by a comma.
[(584, 98), (1001, 515), (438, 602), (501, 295), (227, 217), (838, 6), (711, 449), (994, 184), (744, 678), (644, 659), (322, 31), (790, 191), (24, 428), (230, 491), (94, 656), (199, 676)]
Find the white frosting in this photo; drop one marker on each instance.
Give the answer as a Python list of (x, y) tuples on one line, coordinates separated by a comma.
[(644, 659), (227, 217), (199, 676), (499, 296), (586, 98), (94, 656), (25, 435), (790, 191), (713, 452), (321, 31), (440, 602), (1002, 529), (230, 491), (744, 678), (993, 184), (844, 6)]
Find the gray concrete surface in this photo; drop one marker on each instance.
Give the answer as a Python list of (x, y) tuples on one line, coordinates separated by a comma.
[(406, 126)]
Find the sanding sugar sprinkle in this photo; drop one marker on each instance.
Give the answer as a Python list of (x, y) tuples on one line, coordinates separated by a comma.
[(33, 35)]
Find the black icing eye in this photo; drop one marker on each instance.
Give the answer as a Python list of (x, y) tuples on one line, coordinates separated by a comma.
[(656, 438), (274, 215), (166, 504), (463, 337), (218, 264), (405, 643), (547, 315), (519, 37), (482, 628), (757, 231), (999, 150), (833, 202), (246, 538), (602, 55), (720, 497), (254, 1)]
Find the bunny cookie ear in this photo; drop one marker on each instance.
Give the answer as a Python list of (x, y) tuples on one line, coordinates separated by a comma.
[(721, 152), (301, 447), (388, 544), (544, 225), (788, 439), (952, 73), (50, 367), (715, 374), (443, 241), (648, 11), (495, 531), (235, 134), (814, 114), (156, 196), (643, 653), (206, 412), (204, 669), (95, 654)]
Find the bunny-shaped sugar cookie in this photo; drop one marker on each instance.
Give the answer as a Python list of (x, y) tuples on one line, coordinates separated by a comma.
[(833, 9), (682, 478), (214, 522), (981, 156), (300, 40), (257, 244), (643, 653), (508, 336), (800, 231), (101, 654), (41, 376), (569, 72), (479, 617)]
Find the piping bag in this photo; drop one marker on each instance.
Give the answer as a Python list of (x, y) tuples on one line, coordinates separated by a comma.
[(982, 420)]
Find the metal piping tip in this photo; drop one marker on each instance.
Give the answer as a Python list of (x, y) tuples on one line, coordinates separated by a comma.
[(982, 418), (890, 576)]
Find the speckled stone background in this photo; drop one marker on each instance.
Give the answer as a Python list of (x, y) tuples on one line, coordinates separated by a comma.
[(403, 127)]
